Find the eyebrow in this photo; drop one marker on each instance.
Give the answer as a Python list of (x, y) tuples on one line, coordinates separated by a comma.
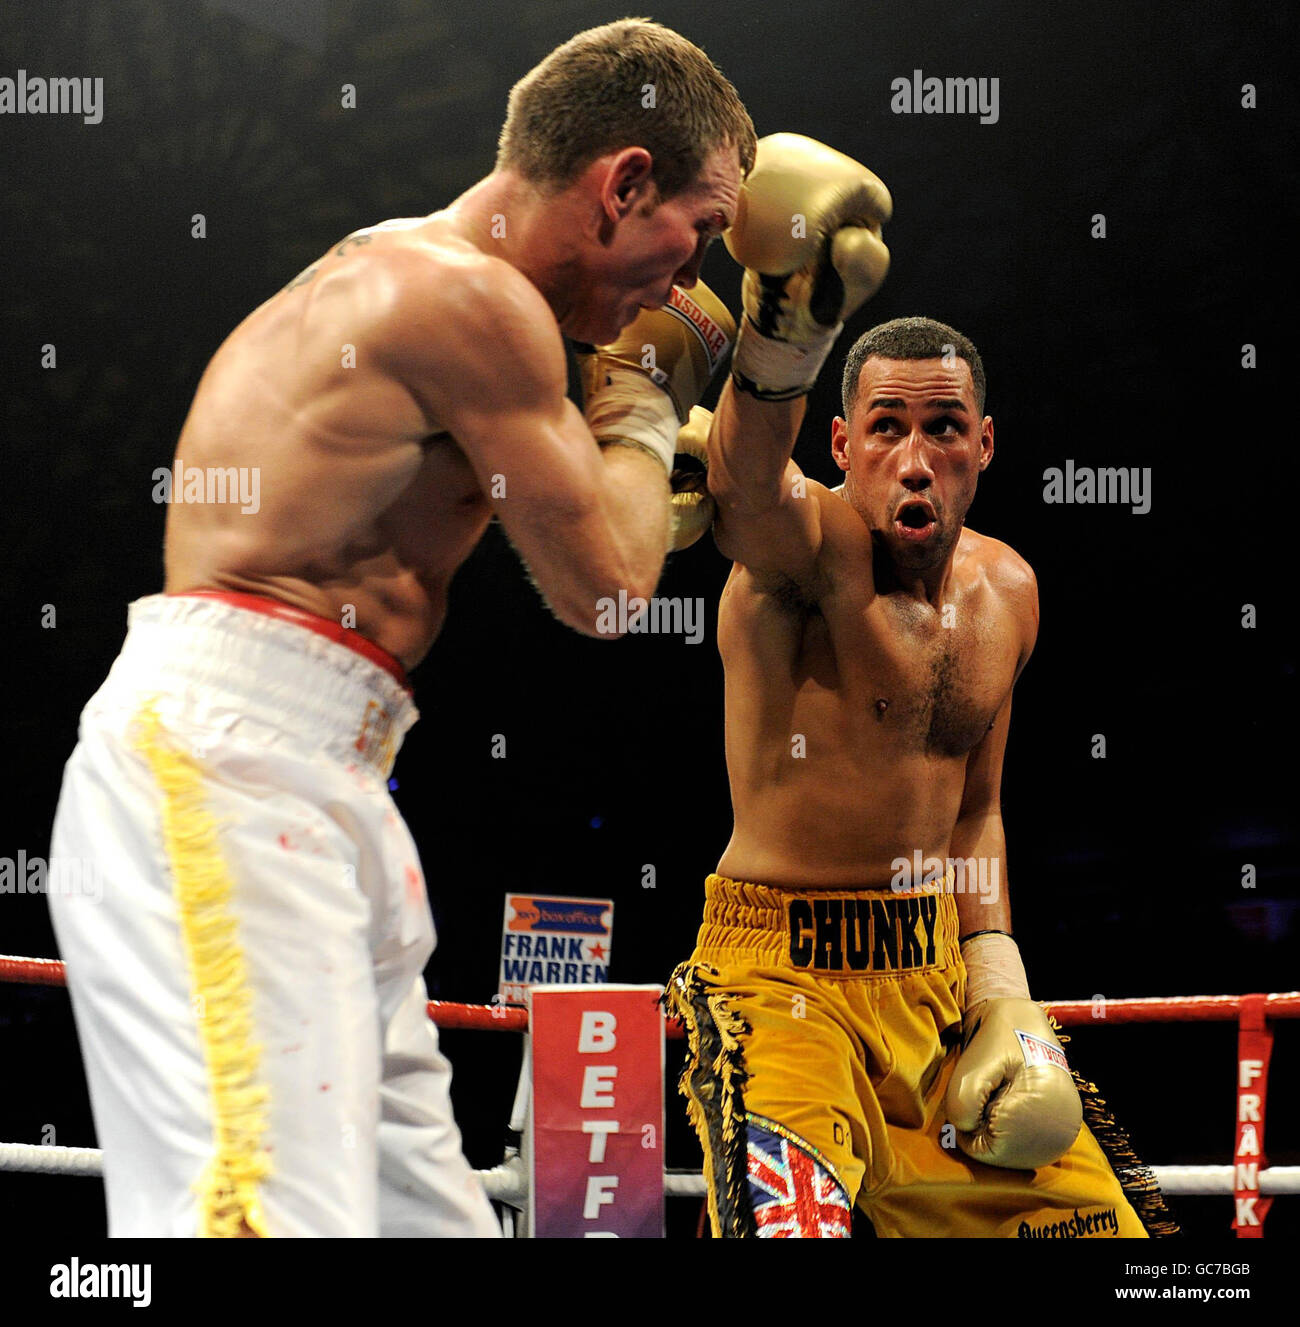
[(936, 403)]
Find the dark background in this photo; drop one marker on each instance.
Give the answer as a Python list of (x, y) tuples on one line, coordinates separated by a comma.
[(1126, 872)]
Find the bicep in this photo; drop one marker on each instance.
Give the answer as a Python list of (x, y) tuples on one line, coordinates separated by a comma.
[(781, 536), (542, 472), (768, 512), (492, 374), (531, 457)]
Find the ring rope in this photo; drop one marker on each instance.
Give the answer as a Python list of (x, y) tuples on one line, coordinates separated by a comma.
[(513, 1018), (506, 1183)]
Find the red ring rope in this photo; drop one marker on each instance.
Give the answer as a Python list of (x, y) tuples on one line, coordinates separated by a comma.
[(512, 1018)]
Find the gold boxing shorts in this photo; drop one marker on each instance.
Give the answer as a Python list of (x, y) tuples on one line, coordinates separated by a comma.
[(823, 1028)]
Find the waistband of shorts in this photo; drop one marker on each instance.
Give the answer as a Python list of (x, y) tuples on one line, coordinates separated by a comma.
[(835, 933), (236, 671), (322, 626)]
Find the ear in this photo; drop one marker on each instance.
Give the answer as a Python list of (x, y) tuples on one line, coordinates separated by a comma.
[(986, 442), (840, 442), (627, 181)]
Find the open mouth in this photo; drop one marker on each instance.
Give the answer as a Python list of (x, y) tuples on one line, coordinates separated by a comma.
[(915, 520)]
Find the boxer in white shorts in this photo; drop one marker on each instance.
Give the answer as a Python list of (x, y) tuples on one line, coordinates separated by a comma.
[(249, 990), (248, 993)]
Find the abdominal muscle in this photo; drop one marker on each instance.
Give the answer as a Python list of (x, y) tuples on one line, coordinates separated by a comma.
[(833, 774), (846, 823)]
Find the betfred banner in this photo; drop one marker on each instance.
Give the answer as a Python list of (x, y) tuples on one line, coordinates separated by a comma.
[(598, 1112), (552, 940)]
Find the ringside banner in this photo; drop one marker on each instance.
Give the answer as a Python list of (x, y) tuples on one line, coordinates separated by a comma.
[(553, 940), (598, 1112)]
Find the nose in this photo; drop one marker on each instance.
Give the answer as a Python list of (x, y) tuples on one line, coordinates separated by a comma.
[(914, 471), (689, 272)]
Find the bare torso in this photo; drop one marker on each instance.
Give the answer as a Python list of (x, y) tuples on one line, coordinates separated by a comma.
[(362, 502), (850, 720)]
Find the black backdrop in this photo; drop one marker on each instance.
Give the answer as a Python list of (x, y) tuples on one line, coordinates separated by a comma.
[(1126, 871)]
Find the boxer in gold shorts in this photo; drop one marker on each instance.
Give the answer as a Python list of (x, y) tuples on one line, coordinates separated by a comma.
[(860, 1027), (825, 1028)]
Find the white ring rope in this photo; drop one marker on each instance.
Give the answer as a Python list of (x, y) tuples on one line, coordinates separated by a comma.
[(507, 1184)]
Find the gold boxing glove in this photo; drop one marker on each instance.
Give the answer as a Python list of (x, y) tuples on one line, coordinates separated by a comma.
[(693, 504), (640, 389), (1011, 1096), (807, 231)]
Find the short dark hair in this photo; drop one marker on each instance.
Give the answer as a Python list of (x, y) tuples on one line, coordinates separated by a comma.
[(589, 97), (910, 338)]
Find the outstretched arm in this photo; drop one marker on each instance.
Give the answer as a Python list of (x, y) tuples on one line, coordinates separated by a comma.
[(808, 235)]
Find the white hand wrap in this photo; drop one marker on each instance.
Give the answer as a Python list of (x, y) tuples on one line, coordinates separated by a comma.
[(627, 408), (780, 366), (993, 969)]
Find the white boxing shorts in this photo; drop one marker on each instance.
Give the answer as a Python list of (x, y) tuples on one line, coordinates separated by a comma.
[(247, 982)]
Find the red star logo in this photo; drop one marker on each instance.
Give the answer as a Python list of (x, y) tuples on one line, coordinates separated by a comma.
[(596, 951)]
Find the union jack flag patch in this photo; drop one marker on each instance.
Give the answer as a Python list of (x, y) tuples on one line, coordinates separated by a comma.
[(793, 1196)]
